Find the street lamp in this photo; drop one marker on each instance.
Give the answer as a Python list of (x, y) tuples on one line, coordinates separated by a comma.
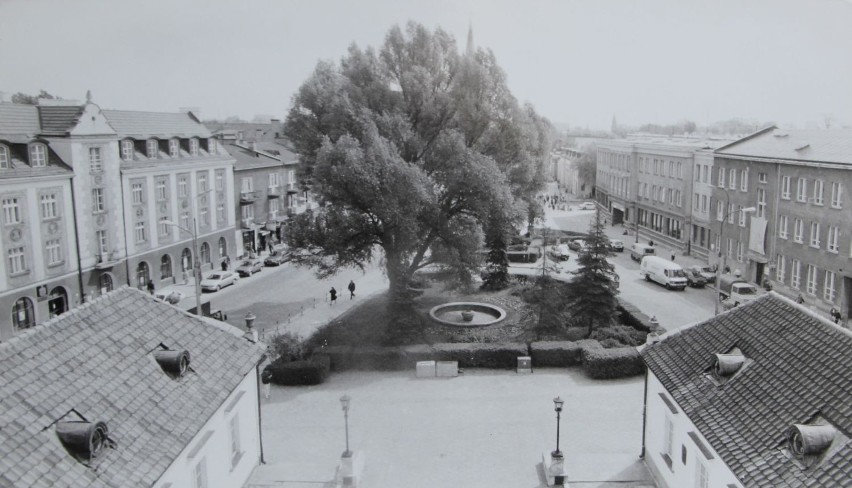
[(557, 405), (196, 265), (724, 258), (344, 402)]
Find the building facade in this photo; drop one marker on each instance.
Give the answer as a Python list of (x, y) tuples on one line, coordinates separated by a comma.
[(566, 173)]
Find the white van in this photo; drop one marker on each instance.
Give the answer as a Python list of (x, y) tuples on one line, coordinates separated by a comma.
[(664, 272), (639, 251)]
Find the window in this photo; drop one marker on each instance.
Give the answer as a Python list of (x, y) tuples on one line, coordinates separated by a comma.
[(182, 187), (165, 267), (785, 187), (818, 190), (17, 260), (812, 278), (730, 213), (815, 234), (220, 212), (273, 208), (101, 242), (248, 212), (704, 208), (678, 198), (184, 219), (668, 441), (795, 276), (202, 182), (49, 209), (162, 189), (11, 211), (223, 247), (211, 146), (739, 251), (744, 180), (5, 163), (95, 162), (186, 259), (832, 242), (780, 268), (705, 173), (152, 148), (193, 147), (730, 247), (273, 180), (828, 292), (761, 178), (140, 232), (220, 180), (23, 315), (291, 177), (836, 194), (165, 229), (236, 453), (742, 217), (702, 477), (203, 216), (761, 202), (105, 283), (720, 211), (782, 226), (38, 155), (732, 179), (802, 190), (136, 192), (695, 202), (97, 200), (199, 474), (721, 181), (798, 230), (54, 252), (143, 274), (246, 185), (205, 253), (174, 148), (127, 149)]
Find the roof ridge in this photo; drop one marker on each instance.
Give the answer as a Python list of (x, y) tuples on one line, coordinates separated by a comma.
[(824, 321)]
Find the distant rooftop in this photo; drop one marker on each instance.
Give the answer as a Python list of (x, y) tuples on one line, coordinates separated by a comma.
[(815, 145), (143, 125)]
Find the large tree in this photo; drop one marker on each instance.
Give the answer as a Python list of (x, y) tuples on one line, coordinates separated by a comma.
[(23, 98), (412, 149)]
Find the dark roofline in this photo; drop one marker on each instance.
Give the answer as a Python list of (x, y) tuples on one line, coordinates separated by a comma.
[(750, 136)]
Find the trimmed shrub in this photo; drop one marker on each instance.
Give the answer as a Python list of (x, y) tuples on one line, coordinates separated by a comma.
[(620, 362), (576, 333), (555, 354), (287, 346), (377, 359), (339, 357), (632, 316), (469, 355), (621, 335), (295, 373)]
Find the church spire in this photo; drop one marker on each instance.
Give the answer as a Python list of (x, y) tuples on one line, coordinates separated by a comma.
[(469, 50)]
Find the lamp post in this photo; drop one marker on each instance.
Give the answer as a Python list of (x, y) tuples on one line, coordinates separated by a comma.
[(196, 265), (344, 402), (724, 258), (557, 405)]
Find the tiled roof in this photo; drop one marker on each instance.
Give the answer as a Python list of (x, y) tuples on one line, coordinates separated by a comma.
[(142, 125), (59, 119), (801, 367), (248, 159), (96, 359), (18, 122), (827, 145)]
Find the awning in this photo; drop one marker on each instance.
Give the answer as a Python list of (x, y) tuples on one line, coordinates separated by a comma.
[(757, 258), (618, 206)]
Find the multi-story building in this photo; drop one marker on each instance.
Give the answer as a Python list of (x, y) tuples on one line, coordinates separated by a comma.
[(798, 238), (566, 173), (266, 180), (94, 199)]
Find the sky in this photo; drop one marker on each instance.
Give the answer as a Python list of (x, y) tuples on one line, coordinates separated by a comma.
[(579, 62)]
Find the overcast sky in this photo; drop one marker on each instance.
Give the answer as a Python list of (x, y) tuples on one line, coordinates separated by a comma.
[(578, 62)]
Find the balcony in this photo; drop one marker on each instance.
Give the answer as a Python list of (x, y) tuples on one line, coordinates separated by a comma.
[(106, 261), (248, 196), (291, 188), (273, 191), (247, 223)]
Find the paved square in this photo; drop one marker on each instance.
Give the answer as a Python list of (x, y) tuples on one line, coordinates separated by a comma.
[(484, 428)]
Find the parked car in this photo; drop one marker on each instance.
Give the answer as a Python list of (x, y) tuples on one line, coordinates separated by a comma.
[(663, 271), (277, 258), (248, 267), (639, 251), (577, 244), (707, 272), (616, 245), (171, 296), (587, 206), (560, 252), (694, 278), (217, 280)]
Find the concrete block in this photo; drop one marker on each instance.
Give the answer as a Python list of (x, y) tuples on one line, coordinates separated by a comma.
[(426, 369), (447, 369), (554, 470), (524, 364)]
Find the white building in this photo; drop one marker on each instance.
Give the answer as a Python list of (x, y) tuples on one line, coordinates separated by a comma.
[(757, 397), (129, 391)]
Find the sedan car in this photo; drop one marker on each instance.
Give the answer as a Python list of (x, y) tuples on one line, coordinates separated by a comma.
[(217, 280), (616, 245), (707, 272), (587, 206), (277, 258), (560, 252), (248, 267), (171, 296), (694, 278), (577, 244)]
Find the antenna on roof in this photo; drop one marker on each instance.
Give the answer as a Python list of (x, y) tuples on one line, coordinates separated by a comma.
[(88, 96)]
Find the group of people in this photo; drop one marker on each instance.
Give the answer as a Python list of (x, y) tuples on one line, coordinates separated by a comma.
[(333, 293), (551, 200)]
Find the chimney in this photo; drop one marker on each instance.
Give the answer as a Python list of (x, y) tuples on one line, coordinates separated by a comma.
[(254, 146)]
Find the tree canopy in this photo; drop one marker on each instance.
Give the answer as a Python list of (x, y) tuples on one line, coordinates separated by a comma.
[(413, 149)]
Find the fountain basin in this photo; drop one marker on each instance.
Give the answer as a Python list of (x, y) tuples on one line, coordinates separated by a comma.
[(467, 314)]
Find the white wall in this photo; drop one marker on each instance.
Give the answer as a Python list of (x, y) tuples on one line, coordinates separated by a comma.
[(212, 444), (680, 474)]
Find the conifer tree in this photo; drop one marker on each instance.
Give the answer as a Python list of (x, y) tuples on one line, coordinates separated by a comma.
[(594, 287)]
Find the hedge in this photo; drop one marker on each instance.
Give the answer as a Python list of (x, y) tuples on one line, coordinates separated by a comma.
[(522, 257), (560, 353), (612, 363), (475, 355), (295, 372), (632, 316)]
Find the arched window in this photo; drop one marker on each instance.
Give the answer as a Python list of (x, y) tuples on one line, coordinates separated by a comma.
[(23, 315), (143, 274), (165, 267), (223, 247), (58, 303), (127, 149), (205, 253), (186, 259), (38, 155), (105, 283)]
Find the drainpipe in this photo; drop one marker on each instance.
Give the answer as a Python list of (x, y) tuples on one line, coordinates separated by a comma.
[(259, 423), (77, 240), (124, 229), (644, 413)]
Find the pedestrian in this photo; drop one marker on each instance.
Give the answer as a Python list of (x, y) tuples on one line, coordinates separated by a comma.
[(835, 315), (800, 299), (650, 242), (333, 294), (225, 263), (673, 255), (151, 287), (351, 289)]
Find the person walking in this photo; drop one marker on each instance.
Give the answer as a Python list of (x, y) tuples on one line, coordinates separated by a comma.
[(673, 255), (333, 294), (225, 263), (835, 315), (351, 289), (151, 287)]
